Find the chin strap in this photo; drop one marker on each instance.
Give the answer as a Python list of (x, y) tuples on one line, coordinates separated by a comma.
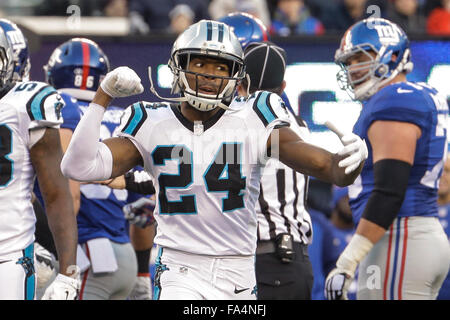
[(248, 84)]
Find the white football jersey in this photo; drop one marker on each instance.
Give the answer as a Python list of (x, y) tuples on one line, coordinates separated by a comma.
[(27, 106), (206, 174), (281, 205)]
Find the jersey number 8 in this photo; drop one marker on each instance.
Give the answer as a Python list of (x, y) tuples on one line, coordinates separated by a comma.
[(79, 80)]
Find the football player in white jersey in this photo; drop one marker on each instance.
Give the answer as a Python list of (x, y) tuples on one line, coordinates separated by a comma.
[(30, 114), (205, 155)]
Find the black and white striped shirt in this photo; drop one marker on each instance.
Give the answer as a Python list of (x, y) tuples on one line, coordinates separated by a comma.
[(281, 205)]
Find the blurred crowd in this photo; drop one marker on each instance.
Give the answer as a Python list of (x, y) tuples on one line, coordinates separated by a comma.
[(281, 17)]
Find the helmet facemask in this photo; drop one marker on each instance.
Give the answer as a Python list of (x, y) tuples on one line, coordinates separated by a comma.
[(24, 72), (202, 101), (6, 66)]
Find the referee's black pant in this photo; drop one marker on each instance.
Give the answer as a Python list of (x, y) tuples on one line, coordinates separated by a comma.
[(283, 281)]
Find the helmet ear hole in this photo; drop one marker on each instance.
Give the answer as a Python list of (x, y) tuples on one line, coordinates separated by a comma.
[(382, 69), (395, 56), (183, 61)]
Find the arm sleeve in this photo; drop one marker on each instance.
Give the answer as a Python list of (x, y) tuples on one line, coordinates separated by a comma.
[(88, 159), (391, 181)]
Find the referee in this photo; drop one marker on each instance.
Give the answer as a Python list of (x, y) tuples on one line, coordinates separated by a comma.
[(283, 268)]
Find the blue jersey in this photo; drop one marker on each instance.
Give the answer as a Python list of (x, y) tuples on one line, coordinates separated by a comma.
[(421, 105), (444, 218), (100, 213), (327, 245)]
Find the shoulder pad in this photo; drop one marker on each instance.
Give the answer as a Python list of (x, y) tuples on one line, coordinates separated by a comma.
[(262, 107), (133, 118), (44, 101)]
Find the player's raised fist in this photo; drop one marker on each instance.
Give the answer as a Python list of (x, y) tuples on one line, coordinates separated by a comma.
[(122, 82)]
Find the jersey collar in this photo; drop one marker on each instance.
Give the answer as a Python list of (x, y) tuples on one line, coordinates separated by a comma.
[(189, 124)]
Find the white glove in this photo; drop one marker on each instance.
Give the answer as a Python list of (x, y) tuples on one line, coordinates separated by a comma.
[(62, 288), (122, 82), (140, 212), (44, 265), (356, 151), (339, 279), (142, 289), (337, 284)]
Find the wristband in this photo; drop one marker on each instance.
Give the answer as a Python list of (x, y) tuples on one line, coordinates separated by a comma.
[(355, 251)]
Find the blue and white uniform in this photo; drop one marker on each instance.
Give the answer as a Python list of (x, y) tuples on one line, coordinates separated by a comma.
[(414, 255)]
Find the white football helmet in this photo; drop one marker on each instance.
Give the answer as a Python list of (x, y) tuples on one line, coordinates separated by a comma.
[(214, 40)]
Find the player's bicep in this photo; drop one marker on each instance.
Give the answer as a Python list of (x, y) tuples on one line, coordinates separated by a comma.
[(46, 155), (66, 136), (125, 155), (393, 140)]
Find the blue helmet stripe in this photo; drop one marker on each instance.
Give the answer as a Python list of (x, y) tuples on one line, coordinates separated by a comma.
[(220, 32), (209, 31)]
